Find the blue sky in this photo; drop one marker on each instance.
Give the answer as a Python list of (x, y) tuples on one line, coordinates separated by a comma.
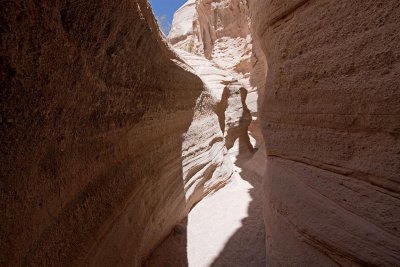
[(166, 8)]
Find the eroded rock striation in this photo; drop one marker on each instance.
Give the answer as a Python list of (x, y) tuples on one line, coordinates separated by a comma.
[(108, 138), (103, 147), (218, 30), (331, 119)]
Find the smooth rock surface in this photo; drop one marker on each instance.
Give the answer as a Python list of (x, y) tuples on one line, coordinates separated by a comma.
[(182, 26), (226, 228), (218, 30)]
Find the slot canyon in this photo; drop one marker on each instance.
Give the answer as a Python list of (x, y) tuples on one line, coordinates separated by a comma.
[(254, 133)]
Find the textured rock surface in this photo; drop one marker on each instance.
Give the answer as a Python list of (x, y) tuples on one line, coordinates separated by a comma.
[(226, 228), (218, 30), (236, 105), (182, 26), (331, 119), (108, 138), (99, 122)]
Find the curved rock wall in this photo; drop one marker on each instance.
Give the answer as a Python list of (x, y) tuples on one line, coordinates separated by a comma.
[(218, 30), (108, 138), (97, 119), (331, 119), (182, 29)]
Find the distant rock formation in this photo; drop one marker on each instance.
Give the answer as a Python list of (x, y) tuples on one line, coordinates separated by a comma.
[(218, 30)]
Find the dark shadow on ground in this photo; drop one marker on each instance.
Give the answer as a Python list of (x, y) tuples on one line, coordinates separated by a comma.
[(172, 252), (247, 246), (94, 110)]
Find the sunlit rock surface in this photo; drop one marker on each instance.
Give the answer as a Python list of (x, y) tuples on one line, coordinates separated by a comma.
[(226, 228), (221, 32), (181, 32), (217, 30), (108, 138)]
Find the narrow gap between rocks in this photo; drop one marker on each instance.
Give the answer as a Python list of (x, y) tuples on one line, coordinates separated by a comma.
[(226, 227)]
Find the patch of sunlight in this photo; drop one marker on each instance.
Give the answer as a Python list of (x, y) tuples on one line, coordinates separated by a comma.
[(215, 220)]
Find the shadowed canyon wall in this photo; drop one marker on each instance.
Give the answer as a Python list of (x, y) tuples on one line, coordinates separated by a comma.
[(98, 125), (107, 138), (331, 118)]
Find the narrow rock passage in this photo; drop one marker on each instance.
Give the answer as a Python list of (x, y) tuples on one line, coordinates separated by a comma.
[(225, 228)]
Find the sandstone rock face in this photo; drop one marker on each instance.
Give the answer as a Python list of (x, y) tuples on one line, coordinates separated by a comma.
[(108, 138), (218, 30), (182, 26), (235, 109), (226, 228), (100, 126), (213, 37), (331, 119)]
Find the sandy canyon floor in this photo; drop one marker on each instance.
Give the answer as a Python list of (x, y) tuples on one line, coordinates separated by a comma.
[(225, 228)]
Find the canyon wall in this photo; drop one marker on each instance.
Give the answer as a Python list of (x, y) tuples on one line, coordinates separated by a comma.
[(108, 138), (218, 30), (100, 123), (330, 117)]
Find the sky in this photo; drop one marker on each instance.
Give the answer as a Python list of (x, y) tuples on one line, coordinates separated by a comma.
[(164, 11)]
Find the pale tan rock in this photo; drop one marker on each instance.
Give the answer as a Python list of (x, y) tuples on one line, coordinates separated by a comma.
[(330, 118), (221, 33), (229, 90), (182, 26), (205, 164), (109, 138), (219, 30), (225, 228)]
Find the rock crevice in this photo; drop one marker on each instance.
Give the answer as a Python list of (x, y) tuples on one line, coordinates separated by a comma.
[(109, 136)]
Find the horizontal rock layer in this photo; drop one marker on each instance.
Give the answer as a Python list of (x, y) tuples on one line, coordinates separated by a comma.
[(331, 119), (99, 122)]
